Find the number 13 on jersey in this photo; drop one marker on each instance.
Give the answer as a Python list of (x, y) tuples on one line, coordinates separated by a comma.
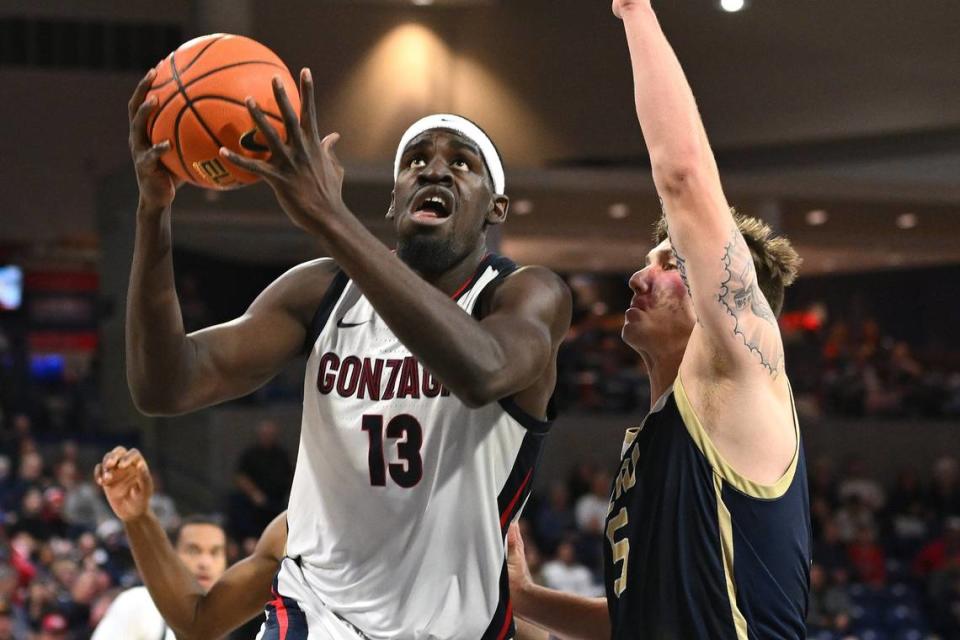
[(409, 436)]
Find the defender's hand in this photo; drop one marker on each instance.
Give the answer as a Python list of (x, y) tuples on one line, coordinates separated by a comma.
[(619, 6), (303, 172), (125, 479), (517, 569), (157, 185)]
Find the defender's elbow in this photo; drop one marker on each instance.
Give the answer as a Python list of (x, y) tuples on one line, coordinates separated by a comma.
[(152, 404)]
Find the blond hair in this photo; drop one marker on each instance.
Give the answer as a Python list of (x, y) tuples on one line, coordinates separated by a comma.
[(774, 258)]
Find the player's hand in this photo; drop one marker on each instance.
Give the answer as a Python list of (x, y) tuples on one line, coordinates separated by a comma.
[(157, 185), (517, 569), (125, 478), (619, 6), (303, 172)]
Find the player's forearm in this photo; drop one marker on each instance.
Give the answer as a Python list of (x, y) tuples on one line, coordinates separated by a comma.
[(172, 588), (672, 127), (566, 615), (156, 342), (451, 344)]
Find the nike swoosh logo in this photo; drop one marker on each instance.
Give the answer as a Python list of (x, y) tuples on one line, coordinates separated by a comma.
[(249, 142), (349, 325)]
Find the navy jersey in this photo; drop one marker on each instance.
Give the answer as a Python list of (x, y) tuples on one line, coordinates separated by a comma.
[(693, 550)]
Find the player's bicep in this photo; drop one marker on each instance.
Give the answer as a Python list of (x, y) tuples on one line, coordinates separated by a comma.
[(528, 319), (737, 332)]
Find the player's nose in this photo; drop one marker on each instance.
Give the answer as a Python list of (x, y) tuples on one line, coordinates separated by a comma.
[(436, 172), (639, 282)]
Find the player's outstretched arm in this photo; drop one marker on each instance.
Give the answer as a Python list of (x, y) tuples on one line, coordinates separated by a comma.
[(737, 336), (563, 614), (236, 597), (478, 361)]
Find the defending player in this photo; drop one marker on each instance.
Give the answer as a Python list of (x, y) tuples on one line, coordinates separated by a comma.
[(194, 610), (427, 386), (708, 531)]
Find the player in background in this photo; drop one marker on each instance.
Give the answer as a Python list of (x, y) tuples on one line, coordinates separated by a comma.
[(198, 552), (195, 611), (708, 530), (427, 390)]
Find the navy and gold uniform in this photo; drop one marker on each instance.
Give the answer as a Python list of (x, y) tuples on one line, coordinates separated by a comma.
[(693, 550)]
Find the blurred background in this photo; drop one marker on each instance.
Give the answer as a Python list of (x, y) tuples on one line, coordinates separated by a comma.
[(836, 122)]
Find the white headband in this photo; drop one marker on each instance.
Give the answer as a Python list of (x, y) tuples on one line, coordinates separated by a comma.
[(465, 128)]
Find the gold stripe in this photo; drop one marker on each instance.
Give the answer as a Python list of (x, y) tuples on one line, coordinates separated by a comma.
[(719, 465), (726, 546)]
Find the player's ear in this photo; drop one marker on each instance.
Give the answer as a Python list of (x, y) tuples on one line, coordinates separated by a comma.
[(393, 204), (498, 212)]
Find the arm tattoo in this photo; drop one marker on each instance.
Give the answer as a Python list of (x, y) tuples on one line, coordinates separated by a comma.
[(742, 299)]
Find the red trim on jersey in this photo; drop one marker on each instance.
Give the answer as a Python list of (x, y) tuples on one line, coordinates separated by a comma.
[(506, 512), (471, 279), (281, 611), (506, 622)]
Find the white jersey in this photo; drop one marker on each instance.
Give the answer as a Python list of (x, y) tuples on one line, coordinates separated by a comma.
[(402, 494), (133, 616)]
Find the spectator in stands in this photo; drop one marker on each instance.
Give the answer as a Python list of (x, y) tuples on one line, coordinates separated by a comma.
[(555, 518), (566, 574), (83, 507), (853, 516), (829, 604), (941, 554), (263, 478), (8, 628), (591, 510), (945, 493), (861, 484), (867, 558)]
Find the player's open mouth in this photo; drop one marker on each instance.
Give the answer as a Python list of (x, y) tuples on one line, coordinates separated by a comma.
[(432, 206)]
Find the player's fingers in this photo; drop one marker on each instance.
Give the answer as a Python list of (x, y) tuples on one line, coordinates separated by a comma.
[(290, 119), (308, 105), (514, 539), (110, 460), (152, 155), (275, 144), (327, 146), (138, 126), (138, 94), (129, 458), (97, 471), (258, 167)]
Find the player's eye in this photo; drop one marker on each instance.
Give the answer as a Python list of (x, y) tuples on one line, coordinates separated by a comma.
[(670, 266), (417, 162), (461, 164)]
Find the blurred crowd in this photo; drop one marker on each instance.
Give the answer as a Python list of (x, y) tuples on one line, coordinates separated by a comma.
[(846, 369)]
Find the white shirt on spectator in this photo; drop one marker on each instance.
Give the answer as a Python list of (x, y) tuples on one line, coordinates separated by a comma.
[(133, 616), (572, 578), (591, 512)]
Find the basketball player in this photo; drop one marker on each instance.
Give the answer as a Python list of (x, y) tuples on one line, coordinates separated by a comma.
[(198, 551), (428, 381), (192, 610), (708, 530)]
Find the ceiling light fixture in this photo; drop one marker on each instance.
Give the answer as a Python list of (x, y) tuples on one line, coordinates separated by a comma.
[(732, 6)]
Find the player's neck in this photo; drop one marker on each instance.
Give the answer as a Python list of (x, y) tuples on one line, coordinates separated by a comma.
[(663, 366), (453, 279)]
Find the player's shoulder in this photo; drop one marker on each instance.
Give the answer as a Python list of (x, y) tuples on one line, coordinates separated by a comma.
[(300, 289), (134, 597), (538, 288), (535, 279)]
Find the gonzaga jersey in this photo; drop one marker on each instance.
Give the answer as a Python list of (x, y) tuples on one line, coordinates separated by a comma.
[(695, 551), (402, 494)]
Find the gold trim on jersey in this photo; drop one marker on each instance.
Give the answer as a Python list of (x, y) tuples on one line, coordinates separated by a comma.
[(720, 466), (726, 547)]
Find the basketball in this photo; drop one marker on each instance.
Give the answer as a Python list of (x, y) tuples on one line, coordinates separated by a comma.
[(200, 90)]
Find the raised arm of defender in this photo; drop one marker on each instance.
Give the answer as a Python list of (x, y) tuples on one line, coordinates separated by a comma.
[(236, 597), (737, 337)]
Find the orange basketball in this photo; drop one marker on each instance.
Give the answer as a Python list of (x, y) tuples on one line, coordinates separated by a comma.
[(201, 89)]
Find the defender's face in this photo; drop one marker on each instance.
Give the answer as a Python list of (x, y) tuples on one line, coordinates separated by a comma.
[(442, 201), (660, 308), (203, 548)]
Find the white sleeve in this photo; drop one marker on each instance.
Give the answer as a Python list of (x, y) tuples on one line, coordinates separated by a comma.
[(124, 618)]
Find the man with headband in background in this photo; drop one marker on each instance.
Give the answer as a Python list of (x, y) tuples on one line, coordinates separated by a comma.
[(427, 389)]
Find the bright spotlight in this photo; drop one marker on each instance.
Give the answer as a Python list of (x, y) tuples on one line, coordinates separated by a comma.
[(732, 6)]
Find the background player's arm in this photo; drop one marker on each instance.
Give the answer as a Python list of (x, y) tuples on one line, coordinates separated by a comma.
[(170, 372), (566, 615), (236, 597), (122, 619), (737, 336), (480, 362)]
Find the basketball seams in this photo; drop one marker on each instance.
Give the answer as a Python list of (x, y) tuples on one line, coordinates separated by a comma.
[(176, 76), (239, 103), (176, 138), (201, 77), (190, 64)]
